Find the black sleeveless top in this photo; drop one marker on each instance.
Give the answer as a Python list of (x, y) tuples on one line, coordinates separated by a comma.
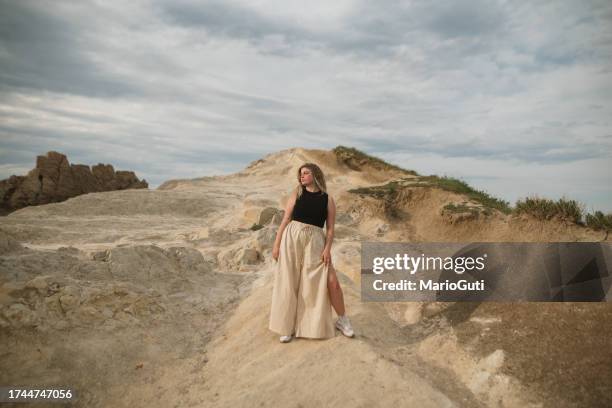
[(311, 208)]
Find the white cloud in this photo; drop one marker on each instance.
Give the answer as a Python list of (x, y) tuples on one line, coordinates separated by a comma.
[(145, 85)]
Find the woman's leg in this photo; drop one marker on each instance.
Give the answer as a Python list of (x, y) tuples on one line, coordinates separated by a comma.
[(286, 283), (335, 291), (314, 318)]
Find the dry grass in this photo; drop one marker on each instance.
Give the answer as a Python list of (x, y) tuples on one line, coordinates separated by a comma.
[(546, 209), (357, 160)]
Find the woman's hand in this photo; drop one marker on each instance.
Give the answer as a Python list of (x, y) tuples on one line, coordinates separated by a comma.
[(326, 256), (275, 252)]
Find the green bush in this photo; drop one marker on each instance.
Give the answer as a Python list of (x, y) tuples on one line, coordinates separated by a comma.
[(382, 191), (460, 187), (545, 209), (461, 208), (599, 221)]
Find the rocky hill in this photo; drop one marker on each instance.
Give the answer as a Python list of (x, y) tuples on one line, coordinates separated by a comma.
[(161, 298)]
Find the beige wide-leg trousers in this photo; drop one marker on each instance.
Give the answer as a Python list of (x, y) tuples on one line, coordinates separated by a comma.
[(300, 299)]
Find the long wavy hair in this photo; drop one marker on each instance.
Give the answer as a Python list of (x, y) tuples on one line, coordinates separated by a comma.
[(317, 175)]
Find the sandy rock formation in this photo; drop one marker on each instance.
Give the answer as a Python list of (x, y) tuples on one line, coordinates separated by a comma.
[(54, 179)]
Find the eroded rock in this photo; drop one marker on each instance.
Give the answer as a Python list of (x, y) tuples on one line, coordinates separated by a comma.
[(54, 179)]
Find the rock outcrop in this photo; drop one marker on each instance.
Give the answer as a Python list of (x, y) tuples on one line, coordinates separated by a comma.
[(54, 179)]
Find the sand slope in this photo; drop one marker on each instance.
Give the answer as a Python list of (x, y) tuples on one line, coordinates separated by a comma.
[(161, 298)]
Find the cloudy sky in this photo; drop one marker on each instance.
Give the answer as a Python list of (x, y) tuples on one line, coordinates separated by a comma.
[(512, 97)]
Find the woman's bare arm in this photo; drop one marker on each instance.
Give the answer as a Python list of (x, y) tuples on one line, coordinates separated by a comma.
[(286, 218), (330, 222)]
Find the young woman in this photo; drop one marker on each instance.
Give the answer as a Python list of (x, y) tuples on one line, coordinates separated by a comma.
[(305, 283)]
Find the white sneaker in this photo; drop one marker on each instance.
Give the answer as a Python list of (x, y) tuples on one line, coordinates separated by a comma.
[(344, 325), (285, 339)]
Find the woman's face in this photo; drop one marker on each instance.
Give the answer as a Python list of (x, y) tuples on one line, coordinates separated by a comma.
[(306, 176)]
